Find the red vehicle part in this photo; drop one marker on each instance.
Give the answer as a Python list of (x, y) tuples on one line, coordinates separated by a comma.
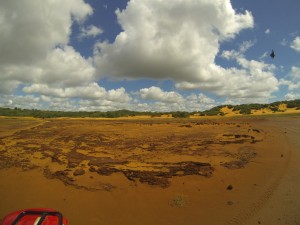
[(41, 216)]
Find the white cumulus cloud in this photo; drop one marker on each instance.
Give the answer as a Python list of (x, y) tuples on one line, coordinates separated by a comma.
[(180, 40), (252, 81), (90, 31), (89, 91), (34, 44), (176, 39), (296, 44), (292, 81), (30, 28), (155, 93), (172, 101), (36, 57)]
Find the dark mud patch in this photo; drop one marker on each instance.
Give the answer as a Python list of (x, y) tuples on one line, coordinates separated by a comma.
[(68, 180), (157, 173), (236, 164), (23, 163), (241, 158)]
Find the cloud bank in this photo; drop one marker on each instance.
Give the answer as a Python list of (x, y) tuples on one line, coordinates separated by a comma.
[(37, 59), (180, 40), (160, 40)]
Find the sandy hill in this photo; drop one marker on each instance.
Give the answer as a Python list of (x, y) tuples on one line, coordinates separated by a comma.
[(254, 109)]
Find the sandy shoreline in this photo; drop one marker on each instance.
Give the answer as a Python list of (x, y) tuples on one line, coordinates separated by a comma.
[(266, 185)]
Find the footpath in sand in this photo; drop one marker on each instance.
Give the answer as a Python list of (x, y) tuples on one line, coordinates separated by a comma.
[(153, 171)]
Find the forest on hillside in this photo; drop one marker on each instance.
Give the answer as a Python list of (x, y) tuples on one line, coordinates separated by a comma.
[(243, 109)]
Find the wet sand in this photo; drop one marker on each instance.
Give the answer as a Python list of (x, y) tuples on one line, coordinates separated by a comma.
[(283, 205), (154, 171)]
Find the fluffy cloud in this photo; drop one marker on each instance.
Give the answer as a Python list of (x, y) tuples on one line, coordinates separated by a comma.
[(155, 93), (170, 39), (65, 67), (90, 97), (62, 67), (90, 31), (295, 73), (252, 81), (114, 99), (34, 44), (25, 102), (180, 40), (35, 54), (296, 44), (30, 28), (292, 81), (39, 102), (90, 91), (267, 31), (292, 96), (199, 102), (172, 101)]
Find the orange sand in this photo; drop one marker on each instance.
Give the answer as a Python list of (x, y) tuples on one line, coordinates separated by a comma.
[(265, 191)]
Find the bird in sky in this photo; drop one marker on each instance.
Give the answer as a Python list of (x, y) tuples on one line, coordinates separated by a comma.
[(272, 54)]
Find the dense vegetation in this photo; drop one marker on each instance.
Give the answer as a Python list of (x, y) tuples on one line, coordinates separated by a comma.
[(243, 109), (247, 108), (54, 114), (215, 111)]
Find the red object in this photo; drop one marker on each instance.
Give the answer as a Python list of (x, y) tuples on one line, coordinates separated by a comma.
[(40, 216)]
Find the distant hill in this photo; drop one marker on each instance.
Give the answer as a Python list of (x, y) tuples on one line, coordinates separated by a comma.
[(223, 110), (245, 109)]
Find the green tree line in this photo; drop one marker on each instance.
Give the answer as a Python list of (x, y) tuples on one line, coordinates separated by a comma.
[(243, 109)]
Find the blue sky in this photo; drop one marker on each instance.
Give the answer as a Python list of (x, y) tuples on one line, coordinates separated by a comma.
[(147, 55)]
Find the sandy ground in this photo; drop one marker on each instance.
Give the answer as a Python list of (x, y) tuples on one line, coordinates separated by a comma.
[(283, 205), (164, 171)]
